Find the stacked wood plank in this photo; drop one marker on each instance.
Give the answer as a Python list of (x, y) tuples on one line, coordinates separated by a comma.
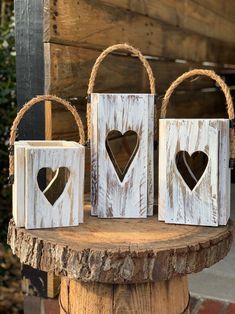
[(75, 32), (175, 35)]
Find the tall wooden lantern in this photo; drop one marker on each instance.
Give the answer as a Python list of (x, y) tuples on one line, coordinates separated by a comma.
[(127, 191), (36, 166), (194, 164)]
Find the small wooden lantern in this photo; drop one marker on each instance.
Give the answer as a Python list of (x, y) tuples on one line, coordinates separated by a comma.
[(34, 164), (194, 173), (121, 192)]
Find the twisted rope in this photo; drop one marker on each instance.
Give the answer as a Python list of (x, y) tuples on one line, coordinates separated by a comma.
[(224, 87), (96, 66), (30, 104)]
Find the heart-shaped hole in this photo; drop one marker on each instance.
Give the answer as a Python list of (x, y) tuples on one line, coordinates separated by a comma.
[(122, 149), (191, 167), (52, 183)]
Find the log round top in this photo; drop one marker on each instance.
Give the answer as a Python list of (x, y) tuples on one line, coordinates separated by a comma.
[(121, 250)]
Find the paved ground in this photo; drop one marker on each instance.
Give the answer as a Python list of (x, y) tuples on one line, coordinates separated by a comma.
[(206, 306), (218, 281)]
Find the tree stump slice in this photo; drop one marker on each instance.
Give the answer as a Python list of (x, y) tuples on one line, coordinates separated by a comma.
[(121, 251), (119, 266)]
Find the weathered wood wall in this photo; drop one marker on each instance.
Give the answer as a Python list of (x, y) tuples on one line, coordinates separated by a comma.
[(175, 35)]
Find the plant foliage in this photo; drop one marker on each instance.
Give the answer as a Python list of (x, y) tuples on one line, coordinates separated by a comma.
[(7, 88)]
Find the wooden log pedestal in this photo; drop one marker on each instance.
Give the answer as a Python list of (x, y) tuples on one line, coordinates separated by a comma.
[(122, 265)]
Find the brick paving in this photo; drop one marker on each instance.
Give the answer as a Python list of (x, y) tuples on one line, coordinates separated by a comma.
[(207, 306)]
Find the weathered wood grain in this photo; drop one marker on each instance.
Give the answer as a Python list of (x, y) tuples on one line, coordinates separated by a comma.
[(18, 189), (170, 296), (225, 9), (165, 297), (121, 251), (94, 157), (209, 18), (68, 208), (133, 196), (37, 211), (63, 62), (224, 188), (64, 295), (204, 205), (150, 167), (88, 298), (98, 24)]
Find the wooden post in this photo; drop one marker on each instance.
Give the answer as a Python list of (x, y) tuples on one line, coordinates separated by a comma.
[(165, 297), (30, 64)]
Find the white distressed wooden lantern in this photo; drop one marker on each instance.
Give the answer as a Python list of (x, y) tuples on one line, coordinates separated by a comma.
[(37, 207), (194, 164), (126, 192)]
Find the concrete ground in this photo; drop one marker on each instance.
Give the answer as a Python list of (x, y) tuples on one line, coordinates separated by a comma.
[(218, 281)]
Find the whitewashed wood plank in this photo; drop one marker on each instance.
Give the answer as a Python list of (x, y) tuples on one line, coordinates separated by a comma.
[(150, 156), (94, 156), (180, 204), (122, 112), (79, 183), (224, 172), (68, 208), (18, 188), (162, 166)]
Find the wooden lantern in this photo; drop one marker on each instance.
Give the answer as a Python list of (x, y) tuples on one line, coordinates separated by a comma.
[(194, 173), (40, 165), (121, 191)]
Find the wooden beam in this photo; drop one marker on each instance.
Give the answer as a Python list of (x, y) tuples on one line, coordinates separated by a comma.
[(214, 19), (99, 24), (220, 7), (67, 71), (30, 64)]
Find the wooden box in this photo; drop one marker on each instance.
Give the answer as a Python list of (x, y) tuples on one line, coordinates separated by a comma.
[(195, 157), (32, 207), (194, 173), (121, 189), (115, 193)]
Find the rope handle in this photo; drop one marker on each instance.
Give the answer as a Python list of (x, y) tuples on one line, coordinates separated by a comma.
[(97, 64), (194, 72), (224, 87), (28, 106)]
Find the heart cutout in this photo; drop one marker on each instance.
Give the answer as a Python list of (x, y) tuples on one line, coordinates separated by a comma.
[(191, 167), (52, 183), (122, 149)]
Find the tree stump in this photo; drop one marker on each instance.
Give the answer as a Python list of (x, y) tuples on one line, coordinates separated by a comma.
[(122, 265), (163, 297)]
